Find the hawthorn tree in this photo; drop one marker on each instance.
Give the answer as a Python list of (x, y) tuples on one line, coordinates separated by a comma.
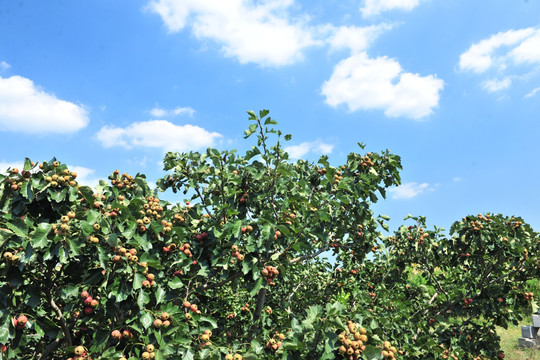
[(265, 259)]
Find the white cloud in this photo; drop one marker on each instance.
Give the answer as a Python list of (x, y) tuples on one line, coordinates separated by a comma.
[(361, 82), (408, 190), (375, 7), (159, 112), (85, 176), (510, 55), (483, 55), (532, 92), (494, 85), (260, 32), (26, 108), (159, 134), (355, 38), (300, 150), (4, 66)]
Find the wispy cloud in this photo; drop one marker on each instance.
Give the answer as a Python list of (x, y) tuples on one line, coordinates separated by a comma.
[(494, 85), (159, 134), (532, 92), (160, 113), (4, 66), (26, 108), (316, 147), (375, 7), (408, 190), (504, 57)]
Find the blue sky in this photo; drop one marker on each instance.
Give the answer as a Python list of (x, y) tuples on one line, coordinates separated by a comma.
[(452, 86)]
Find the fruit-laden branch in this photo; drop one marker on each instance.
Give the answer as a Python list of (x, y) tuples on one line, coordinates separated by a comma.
[(258, 309), (50, 348), (60, 318), (203, 201), (453, 303), (309, 256)]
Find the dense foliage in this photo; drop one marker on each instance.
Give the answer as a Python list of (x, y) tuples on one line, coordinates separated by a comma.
[(266, 259)]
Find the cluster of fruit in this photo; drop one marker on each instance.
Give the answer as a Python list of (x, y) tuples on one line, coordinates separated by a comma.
[(117, 335), (467, 302), (151, 210), (121, 181), (270, 273), (204, 338), (177, 218), (244, 197), (130, 255), (191, 307), (149, 353), (11, 257), (89, 303), (167, 226), (163, 320), (245, 308), (201, 237), (64, 178), (275, 342), (352, 341), (149, 281), (337, 177), (366, 160), (236, 254), (528, 296), (63, 227), (389, 351), (80, 353), (233, 357)]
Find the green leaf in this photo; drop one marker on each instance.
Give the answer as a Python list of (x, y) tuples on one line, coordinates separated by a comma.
[(39, 236), (188, 355), (160, 295), (209, 320), (143, 299), (147, 320), (257, 287), (27, 164), (18, 227), (5, 234), (137, 281), (176, 283), (372, 353)]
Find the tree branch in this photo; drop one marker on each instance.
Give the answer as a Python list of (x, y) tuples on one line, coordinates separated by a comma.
[(309, 256)]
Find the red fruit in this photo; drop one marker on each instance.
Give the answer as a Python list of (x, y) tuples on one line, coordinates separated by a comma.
[(194, 307), (126, 334), (3, 348), (84, 294), (194, 262), (22, 320), (116, 334), (94, 303), (88, 310), (88, 300), (187, 304), (146, 283), (158, 323), (79, 350)]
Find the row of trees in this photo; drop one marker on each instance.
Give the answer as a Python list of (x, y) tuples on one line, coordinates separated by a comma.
[(237, 272)]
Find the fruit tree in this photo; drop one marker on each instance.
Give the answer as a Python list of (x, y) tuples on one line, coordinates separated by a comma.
[(263, 258)]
